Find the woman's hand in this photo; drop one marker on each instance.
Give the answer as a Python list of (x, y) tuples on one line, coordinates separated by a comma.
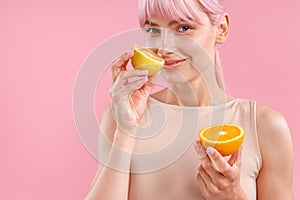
[(217, 178), (129, 99)]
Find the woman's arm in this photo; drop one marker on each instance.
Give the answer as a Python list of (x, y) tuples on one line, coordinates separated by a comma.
[(275, 178), (112, 183), (129, 101)]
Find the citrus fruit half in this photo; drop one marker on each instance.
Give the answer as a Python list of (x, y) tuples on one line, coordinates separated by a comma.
[(146, 59), (225, 138)]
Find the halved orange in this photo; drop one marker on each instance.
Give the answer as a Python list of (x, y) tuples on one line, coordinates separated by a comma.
[(225, 138), (146, 59)]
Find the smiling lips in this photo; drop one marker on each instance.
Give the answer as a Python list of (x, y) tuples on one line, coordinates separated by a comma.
[(173, 63)]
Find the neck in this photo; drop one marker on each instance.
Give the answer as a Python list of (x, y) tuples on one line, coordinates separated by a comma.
[(201, 91)]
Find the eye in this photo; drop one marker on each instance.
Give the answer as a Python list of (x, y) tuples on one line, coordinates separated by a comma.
[(184, 28), (152, 30)]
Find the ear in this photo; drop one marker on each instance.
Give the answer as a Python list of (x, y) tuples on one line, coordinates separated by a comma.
[(223, 29)]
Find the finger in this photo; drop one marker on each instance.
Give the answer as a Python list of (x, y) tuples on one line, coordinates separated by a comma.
[(133, 73), (210, 169), (122, 78), (200, 149), (236, 158), (130, 87), (216, 177), (239, 158), (206, 179), (120, 64), (218, 161), (197, 146), (216, 158), (115, 85), (233, 158), (147, 88), (202, 185)]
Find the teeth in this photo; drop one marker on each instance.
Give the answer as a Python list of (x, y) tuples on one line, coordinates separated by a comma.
[(173, 62)]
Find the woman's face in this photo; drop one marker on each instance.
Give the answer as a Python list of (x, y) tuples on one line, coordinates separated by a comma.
[(187, 47)]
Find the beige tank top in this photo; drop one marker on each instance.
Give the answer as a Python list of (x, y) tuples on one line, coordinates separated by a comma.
[(165, 163)]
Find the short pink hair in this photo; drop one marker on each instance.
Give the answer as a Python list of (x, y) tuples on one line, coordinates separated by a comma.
[(179, 10)]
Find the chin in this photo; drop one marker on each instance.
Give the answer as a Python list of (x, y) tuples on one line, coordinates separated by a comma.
[(181, 75)]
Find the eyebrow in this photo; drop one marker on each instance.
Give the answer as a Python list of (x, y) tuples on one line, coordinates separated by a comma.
[(150, 23), (154, 24), (173, 22)]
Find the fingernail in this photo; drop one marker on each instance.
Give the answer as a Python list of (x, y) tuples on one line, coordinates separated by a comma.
[(197, 144), (130, 53), (210, 151), (144, 72), (146, 78)]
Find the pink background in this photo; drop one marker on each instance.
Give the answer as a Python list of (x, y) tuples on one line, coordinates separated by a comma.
[(42, 45)]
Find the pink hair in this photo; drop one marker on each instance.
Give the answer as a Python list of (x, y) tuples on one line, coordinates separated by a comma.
[(179, 10)]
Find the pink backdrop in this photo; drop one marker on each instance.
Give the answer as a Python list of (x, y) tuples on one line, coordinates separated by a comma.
[(42, 45)]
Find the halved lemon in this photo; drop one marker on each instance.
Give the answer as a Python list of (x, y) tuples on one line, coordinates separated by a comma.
[(225, 138), (146, 59)]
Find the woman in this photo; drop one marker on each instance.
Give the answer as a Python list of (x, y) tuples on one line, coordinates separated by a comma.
[(186, 34)]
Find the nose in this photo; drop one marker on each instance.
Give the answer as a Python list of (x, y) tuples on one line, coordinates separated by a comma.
[(167, 42), (162, 43)]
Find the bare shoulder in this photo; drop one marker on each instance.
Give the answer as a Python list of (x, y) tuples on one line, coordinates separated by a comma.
[(271, 125), (274, 139)]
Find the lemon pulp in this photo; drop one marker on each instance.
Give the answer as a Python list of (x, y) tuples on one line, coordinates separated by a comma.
[(146, 59)]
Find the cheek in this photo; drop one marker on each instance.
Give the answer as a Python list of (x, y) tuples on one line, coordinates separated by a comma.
[(200, 52), (152, 41), (205, 40), (200, 44), (203, 44)]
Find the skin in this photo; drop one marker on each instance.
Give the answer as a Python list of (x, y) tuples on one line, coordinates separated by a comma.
[(215, 182)]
